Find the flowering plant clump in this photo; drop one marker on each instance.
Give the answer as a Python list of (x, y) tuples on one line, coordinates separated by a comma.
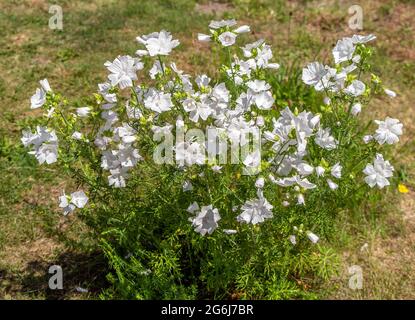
[(208, 187)]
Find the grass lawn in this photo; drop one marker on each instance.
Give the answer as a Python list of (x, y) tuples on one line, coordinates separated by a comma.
[(379, 237)]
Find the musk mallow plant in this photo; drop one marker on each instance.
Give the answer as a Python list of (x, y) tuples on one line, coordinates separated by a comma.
[(213, 185)]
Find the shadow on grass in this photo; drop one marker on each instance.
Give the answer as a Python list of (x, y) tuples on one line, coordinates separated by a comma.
[(80, 270)]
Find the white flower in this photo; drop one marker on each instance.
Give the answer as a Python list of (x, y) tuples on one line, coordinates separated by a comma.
[(362, 39), (50, 113), (325, 140), (185, 78), (356, 109), (229, 231), (264, 54), (258, 86), (264, 100), (258, 93), (242, 29), (247, 49), (77, 199), (38, 99), (123, 71), (320, 171), (255, 211), (227, 38), (303, 169), (156, 69), (203, 37), (117, 177), (216, 168), (300, 199), (122, 158), (158, 43), (333, 81), (327, 101), (202, 81), (47, 153), (193, 207), (179, 122), (36, 138), (388, 131), (141, 53), (197, 110), (77, 135), (45, 85), (83, 112), (206, 220), (332, 185), (293, 239), (187, 186), (313, 238), (378, 172), (64, 203), (223, 23), (304, 125), (314, 73), (260, 121), (356, 59), (125, 133), (290, 181), (157, 101), (356, 88), (110, 98), (44, 143), (189, 153), (343, 50), (253, 159), (390, 93), (162, 131), (260, 182), (221, 93), (336, 171), (367, 138)]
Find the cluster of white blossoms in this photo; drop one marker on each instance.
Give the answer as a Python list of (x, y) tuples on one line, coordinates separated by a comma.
[(224, 32), (326, 78), (244, 104), (44, 143), (116, 139), (333, 80)]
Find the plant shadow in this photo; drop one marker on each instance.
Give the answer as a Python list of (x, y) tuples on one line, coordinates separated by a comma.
[(83, 277)]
